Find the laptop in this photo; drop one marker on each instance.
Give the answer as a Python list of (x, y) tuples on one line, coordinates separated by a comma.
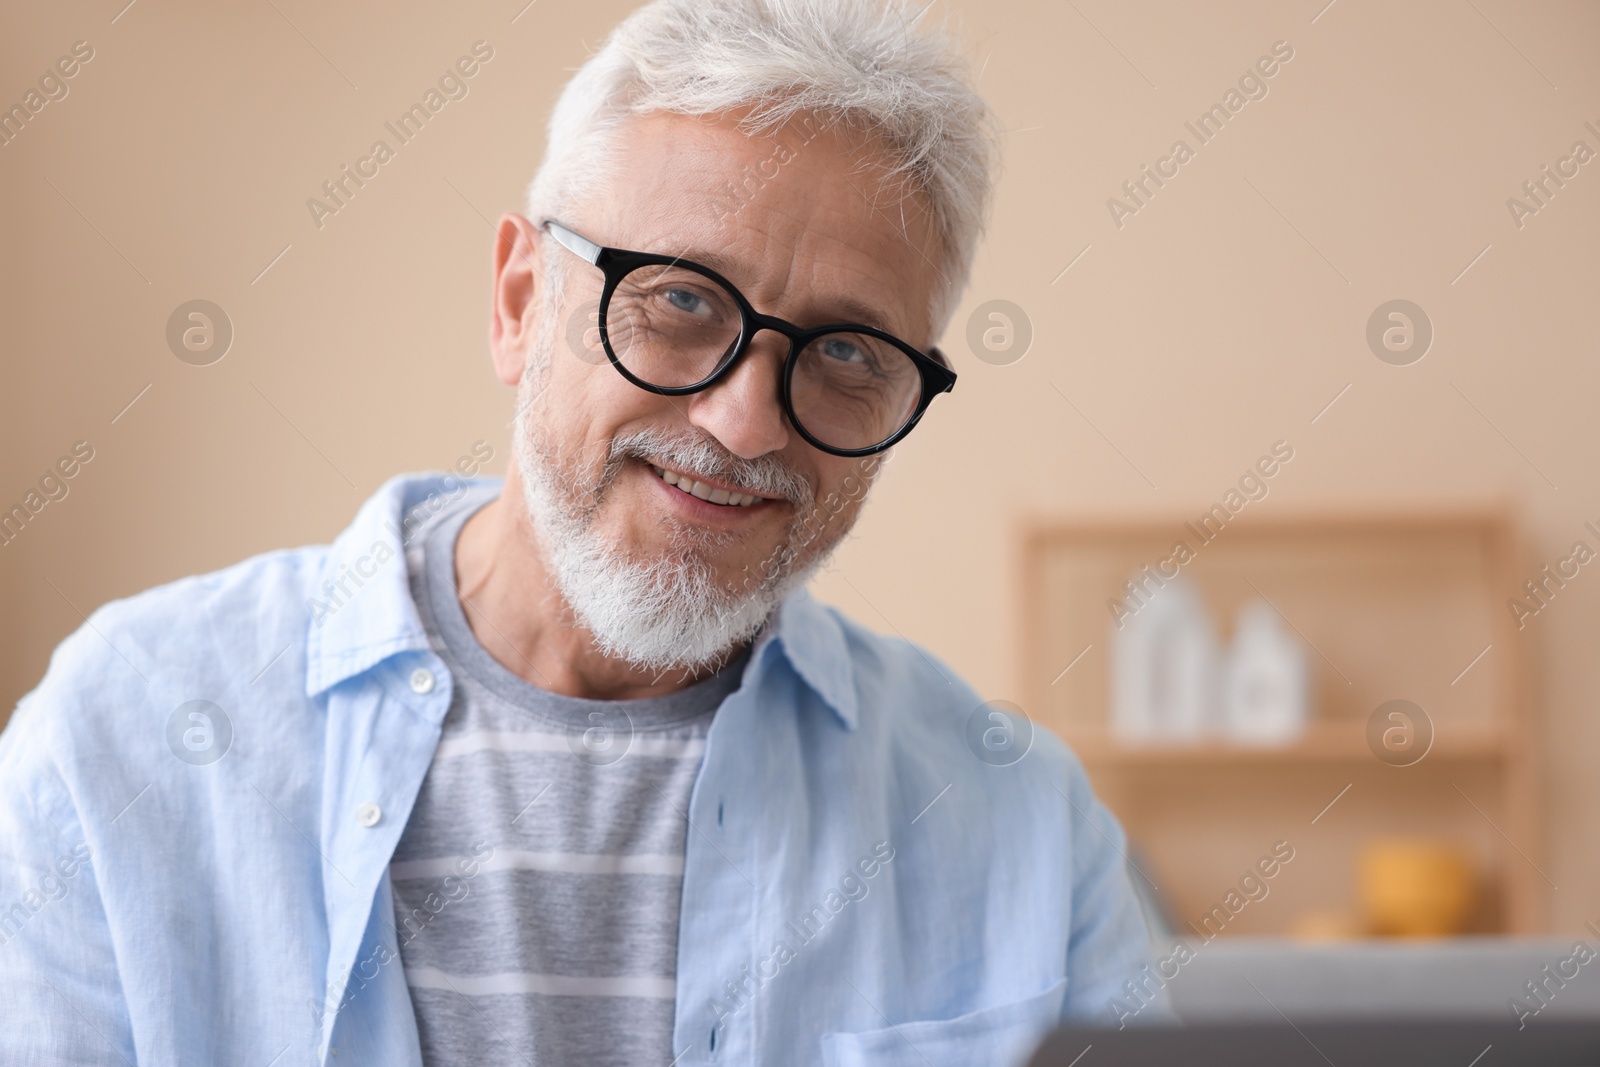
[(1440, 1042)]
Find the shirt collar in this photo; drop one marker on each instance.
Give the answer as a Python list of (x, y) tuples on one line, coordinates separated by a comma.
[(361, 607), (362, 611), (812, 638)]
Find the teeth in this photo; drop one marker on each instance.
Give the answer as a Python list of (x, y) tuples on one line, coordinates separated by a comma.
[(704, 491)]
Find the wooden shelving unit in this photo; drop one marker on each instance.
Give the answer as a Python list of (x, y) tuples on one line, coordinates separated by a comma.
[(1394, 605)]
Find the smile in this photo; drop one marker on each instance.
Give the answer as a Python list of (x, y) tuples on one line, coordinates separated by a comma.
[(700, 490)]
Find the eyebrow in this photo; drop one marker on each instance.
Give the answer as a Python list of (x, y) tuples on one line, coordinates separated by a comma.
[(853, 311)]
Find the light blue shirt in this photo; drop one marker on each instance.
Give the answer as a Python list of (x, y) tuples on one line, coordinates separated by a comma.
[(199, 802)]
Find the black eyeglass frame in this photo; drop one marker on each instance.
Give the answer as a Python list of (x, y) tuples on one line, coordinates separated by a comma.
[(617, 263)]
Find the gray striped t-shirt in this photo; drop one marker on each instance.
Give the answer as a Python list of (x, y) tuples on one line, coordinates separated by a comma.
[(537, 882)]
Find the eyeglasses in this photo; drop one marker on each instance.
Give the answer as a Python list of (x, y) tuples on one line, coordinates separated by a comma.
[(675, 327)]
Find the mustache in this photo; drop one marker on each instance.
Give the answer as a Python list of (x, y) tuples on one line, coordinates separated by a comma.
[(764, 475)]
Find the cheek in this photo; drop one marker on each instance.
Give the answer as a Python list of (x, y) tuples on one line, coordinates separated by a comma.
[(583, 406)]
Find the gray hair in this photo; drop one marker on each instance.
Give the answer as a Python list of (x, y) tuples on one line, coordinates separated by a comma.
[(862, 62)]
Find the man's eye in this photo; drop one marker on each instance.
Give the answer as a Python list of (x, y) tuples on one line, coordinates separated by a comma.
[(686, 300), (841, 350)]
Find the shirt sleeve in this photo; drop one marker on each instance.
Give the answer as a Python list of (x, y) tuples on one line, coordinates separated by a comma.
[(1112, 974), (61, 990)]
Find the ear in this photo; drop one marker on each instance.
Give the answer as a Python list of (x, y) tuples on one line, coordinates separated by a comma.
[(517, 294)]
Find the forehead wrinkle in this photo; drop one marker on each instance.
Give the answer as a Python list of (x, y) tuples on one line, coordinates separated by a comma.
[(903, 229), (854, 232)]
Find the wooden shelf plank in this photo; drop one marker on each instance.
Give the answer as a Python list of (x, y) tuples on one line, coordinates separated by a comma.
[(1320, 742)]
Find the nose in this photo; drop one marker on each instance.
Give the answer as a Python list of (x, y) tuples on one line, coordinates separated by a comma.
[(743, 410)]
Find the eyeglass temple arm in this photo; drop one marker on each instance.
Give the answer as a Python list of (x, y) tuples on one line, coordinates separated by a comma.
[(579, 245)]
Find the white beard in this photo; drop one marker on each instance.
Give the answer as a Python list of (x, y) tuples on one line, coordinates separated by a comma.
[(666, 612)]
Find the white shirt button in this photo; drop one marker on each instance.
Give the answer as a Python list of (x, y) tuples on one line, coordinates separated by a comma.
[(368, 814), (422, 680)]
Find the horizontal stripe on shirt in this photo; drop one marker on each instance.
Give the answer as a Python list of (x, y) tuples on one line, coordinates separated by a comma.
[(563, 862), (550, 985), (466, 743)]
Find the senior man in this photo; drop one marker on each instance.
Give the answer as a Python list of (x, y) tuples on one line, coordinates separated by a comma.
[(571, 768)]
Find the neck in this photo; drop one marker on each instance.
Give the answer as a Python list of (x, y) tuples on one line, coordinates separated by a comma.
[(517, 612)]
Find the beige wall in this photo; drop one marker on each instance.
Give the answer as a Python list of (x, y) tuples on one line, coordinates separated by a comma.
[(1220, 318)]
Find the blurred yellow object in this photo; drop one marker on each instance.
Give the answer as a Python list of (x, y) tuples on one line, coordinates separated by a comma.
[(1416, 887), (1326, 924)]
